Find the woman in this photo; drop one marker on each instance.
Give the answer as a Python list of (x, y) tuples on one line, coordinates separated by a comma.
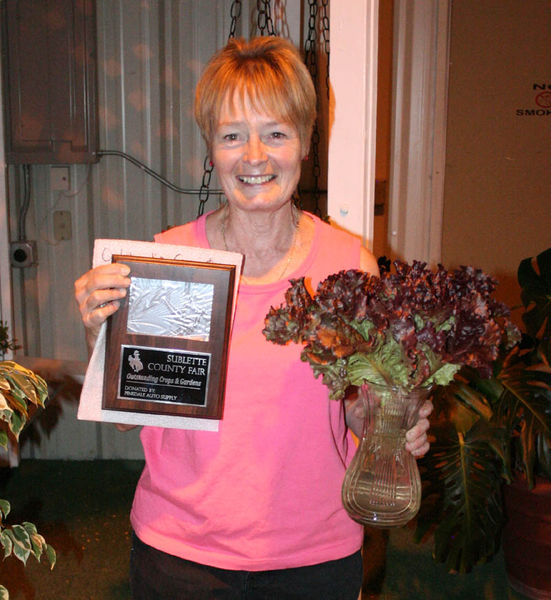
[(254, 510)]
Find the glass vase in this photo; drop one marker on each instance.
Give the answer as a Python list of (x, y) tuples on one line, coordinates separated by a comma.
[(382, 486)]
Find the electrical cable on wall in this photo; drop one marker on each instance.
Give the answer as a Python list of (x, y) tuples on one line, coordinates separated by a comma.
[(21, 226), (23, 251), (203, 192), (146, 169)]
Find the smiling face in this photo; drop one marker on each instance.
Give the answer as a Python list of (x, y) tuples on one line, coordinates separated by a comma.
[(257, 157)]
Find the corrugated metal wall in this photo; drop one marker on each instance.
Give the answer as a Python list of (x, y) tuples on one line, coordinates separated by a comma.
[(150, 53)]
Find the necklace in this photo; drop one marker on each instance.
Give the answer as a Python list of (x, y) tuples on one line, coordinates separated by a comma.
[(290, 252)]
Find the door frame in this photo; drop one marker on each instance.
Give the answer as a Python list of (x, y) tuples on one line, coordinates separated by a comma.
[(418, 136), (418, 129), (352, 115)]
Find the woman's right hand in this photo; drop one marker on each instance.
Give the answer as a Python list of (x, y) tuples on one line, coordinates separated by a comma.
[(98, 293)]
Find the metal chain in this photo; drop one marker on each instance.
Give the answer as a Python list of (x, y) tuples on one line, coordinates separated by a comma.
[(235, 14), (311, 63), (205, 183), (264, 19), (324, 18), (204, 191), (279, 16), (316, 167), (310, 44)]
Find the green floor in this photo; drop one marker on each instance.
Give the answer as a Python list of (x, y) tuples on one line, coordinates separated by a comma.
[(82, 510)]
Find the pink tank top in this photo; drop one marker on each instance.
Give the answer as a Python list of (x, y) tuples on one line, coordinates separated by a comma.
[(264, 492)]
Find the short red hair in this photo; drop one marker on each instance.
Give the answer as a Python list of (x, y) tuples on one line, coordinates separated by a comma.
[(267, 71)]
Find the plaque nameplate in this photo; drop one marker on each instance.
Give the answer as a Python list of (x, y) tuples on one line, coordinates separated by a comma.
[(165, 376)]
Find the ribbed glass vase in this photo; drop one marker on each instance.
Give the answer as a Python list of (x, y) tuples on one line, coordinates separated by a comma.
[(382, 486)]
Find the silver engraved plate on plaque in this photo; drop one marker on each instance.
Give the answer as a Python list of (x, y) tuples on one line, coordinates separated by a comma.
[(170, 308)]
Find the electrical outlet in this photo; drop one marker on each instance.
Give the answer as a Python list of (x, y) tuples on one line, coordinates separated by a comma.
[(62, 225), (59, 179), (23, 254)]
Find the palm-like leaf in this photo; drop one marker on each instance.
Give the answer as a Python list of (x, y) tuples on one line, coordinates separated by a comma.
[(534, 277), (462, 478), (524, 409)]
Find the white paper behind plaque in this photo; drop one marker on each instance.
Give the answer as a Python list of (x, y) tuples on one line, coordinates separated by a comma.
[(90, 406)]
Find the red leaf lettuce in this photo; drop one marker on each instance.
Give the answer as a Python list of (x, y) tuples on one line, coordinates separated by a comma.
[(408, 328)]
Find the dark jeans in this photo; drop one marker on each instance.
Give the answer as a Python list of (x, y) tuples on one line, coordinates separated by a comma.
[(155, 575)]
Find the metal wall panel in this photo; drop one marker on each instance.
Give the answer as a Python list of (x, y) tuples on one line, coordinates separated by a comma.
[(150, 54)]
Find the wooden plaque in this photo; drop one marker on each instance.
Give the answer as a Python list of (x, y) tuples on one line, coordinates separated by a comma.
[(167, 345)]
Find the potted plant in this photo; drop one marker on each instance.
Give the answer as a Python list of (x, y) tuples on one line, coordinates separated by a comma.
[(22, 392), (493, 439)]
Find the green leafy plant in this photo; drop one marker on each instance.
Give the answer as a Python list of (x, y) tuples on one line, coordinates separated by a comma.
[(21, 393), (489, 431)]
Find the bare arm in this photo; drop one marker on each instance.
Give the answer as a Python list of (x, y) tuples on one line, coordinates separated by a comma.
[(368, 262)]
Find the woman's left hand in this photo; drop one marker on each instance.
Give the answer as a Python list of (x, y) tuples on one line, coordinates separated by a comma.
[(417, 441)]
